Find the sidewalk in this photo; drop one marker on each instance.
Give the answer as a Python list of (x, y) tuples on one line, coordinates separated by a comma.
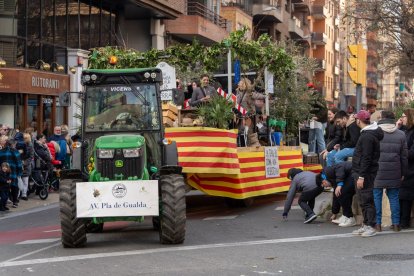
[(33, 202)]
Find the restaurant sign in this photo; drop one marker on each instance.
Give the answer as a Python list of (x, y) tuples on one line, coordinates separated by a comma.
[(20, 80)]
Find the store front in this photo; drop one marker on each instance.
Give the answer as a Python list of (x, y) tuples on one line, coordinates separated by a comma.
[(30, 98)]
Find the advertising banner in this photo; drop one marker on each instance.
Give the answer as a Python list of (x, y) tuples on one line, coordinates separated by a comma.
[(117, 198)]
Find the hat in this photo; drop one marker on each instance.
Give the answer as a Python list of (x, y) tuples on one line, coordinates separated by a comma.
[(363, 115)]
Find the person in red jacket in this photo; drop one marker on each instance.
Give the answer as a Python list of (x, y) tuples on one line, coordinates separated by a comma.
[(54, 149)]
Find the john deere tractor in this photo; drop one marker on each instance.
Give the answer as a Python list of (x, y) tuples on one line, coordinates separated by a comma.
[(128, 169)]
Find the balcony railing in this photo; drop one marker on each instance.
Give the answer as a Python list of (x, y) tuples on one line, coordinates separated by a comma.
[(295, 26), (319, 12), (319, 38), (195, 8), (320, 65)]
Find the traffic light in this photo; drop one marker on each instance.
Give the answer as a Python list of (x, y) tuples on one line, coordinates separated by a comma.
[(358, 63)]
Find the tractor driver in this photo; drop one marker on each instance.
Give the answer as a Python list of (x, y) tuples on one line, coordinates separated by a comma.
[(123, 119)]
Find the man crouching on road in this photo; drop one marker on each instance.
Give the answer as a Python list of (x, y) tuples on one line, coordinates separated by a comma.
[(364, 170), (310, 185)]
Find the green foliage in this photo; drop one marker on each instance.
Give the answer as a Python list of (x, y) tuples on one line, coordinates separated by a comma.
[(191, 60), (216, 113)]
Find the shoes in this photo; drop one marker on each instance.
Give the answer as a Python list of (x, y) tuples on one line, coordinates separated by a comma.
[(311, 217), (348, 222), (6, 208), (24, 198), (378, 227), (359, 231), (339, 220), (369, 232), (9, 201), (395, 228), (15, 205)]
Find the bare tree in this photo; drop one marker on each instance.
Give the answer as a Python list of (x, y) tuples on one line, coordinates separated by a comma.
[(393, 21)]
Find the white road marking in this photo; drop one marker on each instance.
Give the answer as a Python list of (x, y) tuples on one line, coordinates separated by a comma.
[(220, 217), (50, 231), (32, 252), (28, 212), (37, 241), (12, 263), (295, 207)]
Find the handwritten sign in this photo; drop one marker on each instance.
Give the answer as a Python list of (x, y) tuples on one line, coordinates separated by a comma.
[(271, 162), (168, 80), (117, 198)]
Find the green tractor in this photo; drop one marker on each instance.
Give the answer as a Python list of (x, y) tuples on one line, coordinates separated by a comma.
[(128, 169)]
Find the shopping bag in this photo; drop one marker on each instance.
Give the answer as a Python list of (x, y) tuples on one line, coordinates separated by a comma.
[(20, 183)]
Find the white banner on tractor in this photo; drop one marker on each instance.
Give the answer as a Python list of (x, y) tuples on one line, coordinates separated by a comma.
[(117, 199)]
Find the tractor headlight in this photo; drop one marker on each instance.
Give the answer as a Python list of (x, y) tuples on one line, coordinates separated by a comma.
[(105, 153), (131, 153)]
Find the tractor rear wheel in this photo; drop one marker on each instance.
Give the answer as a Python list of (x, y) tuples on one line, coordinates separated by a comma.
[(73, 229), (172, 209)]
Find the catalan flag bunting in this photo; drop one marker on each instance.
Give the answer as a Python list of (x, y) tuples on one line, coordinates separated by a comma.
[(206, 150), (251, 181), (232, 98)]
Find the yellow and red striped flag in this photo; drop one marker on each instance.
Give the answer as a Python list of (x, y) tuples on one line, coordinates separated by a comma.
[(206, 150), (251, 181)]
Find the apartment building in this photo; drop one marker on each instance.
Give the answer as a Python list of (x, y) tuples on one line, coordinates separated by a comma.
[(281, 19), (201, 20), (324, 24), (41, 39)]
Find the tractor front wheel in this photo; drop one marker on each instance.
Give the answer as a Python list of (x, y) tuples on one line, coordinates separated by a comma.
[(73, 229), (172, 209)]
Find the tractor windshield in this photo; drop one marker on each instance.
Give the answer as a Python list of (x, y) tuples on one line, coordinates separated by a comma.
[(121, 108)]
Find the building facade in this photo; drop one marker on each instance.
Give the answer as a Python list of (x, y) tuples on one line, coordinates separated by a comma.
[(46, 40)]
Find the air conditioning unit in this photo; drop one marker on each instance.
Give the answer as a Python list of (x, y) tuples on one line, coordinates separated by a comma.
[(314, 46)]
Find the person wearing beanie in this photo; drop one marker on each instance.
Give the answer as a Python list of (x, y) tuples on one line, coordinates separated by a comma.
[(310, 185)]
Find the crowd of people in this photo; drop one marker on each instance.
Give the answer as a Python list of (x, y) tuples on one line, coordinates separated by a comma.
[(26, 156), (364, 154)]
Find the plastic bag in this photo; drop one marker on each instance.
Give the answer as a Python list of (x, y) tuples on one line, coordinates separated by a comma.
[(20, 183)]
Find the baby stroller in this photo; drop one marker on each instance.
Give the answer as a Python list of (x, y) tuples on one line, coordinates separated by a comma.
[(39, 184), (42, 177)]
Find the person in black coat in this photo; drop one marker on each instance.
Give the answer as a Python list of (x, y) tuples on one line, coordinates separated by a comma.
[(406, 194), (364, 170), (333, 132), (340, 175), (346, 147), (392, 168), (5, 182)]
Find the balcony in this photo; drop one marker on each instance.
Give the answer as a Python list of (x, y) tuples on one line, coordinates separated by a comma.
[(320, 65), (200, 23), (301, 6), (337, 47), (319, 38), (319, 12), (336, 70), (266, 13), (295, 28)]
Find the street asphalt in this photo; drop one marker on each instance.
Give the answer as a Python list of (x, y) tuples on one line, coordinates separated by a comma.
[(219, 241)]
